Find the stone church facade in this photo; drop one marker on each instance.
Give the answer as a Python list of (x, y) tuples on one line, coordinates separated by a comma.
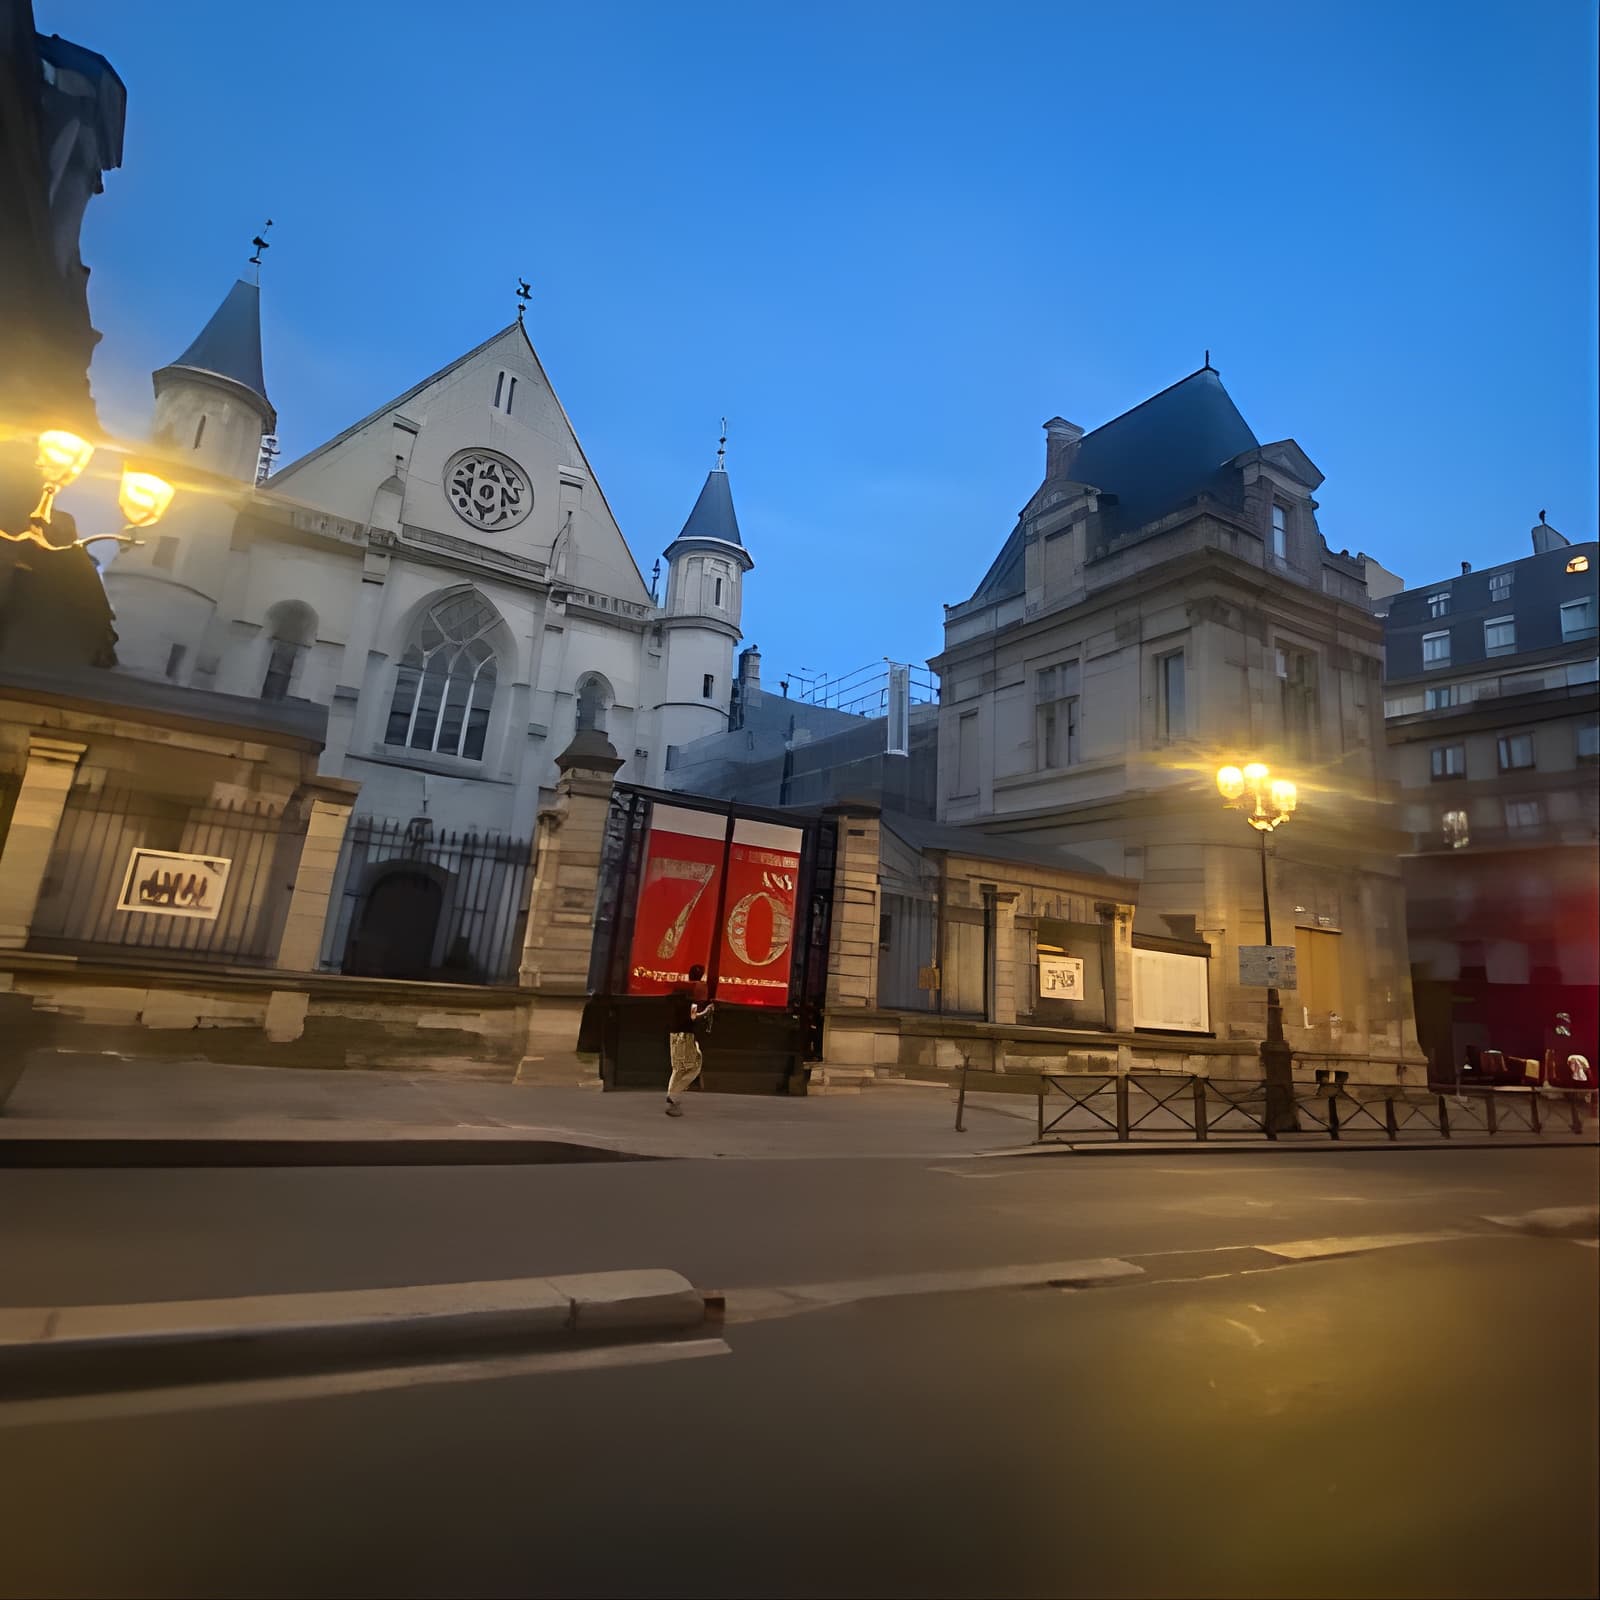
[(445, 576)]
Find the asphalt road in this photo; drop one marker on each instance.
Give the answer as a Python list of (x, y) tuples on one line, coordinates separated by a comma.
[(1415, 1421), (83, 1236)]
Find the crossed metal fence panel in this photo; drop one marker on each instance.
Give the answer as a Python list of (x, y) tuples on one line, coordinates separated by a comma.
[(1197, 1106)]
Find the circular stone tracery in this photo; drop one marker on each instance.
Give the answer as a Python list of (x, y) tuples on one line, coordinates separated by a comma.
[(487, 490)]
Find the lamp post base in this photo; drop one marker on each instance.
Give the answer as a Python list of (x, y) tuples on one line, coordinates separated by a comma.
[(1277, 1069)]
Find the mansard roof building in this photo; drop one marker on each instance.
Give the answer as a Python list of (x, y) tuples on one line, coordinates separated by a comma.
[(1164, 605)]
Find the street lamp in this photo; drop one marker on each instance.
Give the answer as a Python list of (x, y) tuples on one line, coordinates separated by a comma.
[(1266, 804), (143, 497)]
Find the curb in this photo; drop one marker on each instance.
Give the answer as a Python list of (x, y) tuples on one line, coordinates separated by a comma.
[(182, 1151), (1266, 1147), (79, 1349)]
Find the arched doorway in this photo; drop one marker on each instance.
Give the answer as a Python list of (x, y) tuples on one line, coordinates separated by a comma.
[(399, 924)]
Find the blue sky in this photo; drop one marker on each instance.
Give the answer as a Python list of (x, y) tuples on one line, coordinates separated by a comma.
[(888, 241)]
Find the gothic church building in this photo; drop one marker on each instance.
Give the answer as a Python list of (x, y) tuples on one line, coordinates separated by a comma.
[(445, 576)]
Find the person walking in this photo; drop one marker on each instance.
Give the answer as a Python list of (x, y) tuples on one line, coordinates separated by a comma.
[(690, 1022)]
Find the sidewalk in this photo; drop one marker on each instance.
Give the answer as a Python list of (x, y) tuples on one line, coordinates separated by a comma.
[(107, 1098), (79, 1110)]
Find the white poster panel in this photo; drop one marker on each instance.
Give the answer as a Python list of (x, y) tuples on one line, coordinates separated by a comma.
[(1268, 966), (167, 883), (1060, 977), (1170, 992)]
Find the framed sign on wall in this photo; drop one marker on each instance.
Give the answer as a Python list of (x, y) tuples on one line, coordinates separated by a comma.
[(168, 883)]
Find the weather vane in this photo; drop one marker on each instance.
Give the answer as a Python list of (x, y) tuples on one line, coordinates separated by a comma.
[(524, 295), (260, 242), (722, 446)]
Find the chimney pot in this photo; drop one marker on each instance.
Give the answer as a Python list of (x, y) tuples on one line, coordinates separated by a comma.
[(1466, 567), (1060, 446)]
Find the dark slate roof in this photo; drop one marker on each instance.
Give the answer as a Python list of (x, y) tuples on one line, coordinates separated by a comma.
[(229, 345), (1154, 458), (712, 517)]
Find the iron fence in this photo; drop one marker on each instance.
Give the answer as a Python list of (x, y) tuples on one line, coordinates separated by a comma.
[(443, 906), (1182, 1106), (254, 844)]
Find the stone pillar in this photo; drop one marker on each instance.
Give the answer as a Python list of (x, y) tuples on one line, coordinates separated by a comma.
[(853, 934), (1005, 959), (851, 1048), (300, 948), (561, 908), (52, 765)]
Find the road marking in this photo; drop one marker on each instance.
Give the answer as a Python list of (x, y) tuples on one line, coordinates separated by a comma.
[(324, 1385), (1567, 1220), (753, 1305), (1246, 1329), (1354, 1244)]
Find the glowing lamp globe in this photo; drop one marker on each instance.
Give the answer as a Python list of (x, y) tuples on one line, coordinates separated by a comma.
[(62, 456), (143, 498)]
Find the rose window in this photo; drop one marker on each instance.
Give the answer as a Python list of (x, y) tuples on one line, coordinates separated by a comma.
[(487, 490)]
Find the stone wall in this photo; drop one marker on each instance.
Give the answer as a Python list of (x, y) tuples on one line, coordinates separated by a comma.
[(252, 1018)]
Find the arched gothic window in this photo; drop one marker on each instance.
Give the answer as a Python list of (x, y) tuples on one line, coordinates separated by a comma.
[(445, 687), (594, 697)]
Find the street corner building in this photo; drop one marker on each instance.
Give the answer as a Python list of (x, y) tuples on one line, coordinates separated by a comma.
[(1166, 605)]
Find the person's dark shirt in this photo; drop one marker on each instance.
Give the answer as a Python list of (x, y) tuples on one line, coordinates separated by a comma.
[(680, 1019)]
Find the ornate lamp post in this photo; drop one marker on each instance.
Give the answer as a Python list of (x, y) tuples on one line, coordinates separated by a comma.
[(1266, 804), (143, 497)]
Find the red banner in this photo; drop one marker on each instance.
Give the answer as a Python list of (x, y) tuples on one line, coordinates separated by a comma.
[(757, 946), (677, 909)]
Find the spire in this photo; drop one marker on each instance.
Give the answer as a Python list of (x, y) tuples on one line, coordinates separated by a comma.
[(713, 517), (229, 347)]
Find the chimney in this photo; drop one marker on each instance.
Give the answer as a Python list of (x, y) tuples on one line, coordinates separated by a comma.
[(1060, 446), (1545, 538), (750, 674), (1466, 567)]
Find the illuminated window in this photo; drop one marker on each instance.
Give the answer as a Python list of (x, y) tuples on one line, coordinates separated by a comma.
[(1453, 825), (445, 686), (1578, 564)]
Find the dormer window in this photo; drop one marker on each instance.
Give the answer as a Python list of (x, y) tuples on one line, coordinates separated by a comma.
[(505, 391), (1280, 533)]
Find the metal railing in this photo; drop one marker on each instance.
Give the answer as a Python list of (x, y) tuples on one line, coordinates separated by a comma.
[(1182, 1106), (409, 902), (99, 833)]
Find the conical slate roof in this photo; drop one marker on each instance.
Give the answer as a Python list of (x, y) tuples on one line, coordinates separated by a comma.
[(712, 517), (229, 346)]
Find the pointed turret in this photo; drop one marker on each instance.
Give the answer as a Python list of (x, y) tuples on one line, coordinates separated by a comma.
[(211, 403), (706, 565)]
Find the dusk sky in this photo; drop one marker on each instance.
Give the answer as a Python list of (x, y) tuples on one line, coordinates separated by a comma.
[(888, 241)]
